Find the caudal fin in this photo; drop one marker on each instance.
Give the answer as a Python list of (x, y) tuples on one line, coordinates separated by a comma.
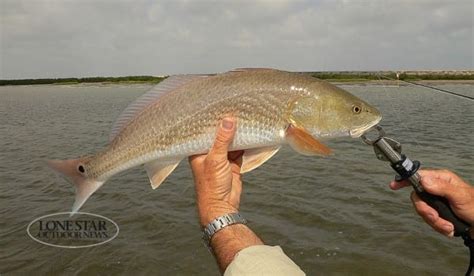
[(75, 171)]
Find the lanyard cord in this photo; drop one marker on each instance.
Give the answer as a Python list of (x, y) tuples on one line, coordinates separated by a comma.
[(441, 90), (432, 87)]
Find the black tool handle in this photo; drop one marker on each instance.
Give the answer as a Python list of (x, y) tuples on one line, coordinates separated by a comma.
[(407, 169), (441, 205)]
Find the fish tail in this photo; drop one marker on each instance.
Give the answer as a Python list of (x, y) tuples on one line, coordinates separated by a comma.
[(75, 171)]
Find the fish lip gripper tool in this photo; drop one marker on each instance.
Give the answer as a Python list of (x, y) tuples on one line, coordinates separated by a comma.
[(390, 150)]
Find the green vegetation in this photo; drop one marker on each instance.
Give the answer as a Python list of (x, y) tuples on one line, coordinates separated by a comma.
[(338, 76), (384, 75), (351, 76), (441, 76), (128, 79)]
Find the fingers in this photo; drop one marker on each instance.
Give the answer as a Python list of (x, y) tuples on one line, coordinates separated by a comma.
[(429, 177), (234, 156), (396, 185), (445, 184), (224, 137), (445, 175), (431, 217)]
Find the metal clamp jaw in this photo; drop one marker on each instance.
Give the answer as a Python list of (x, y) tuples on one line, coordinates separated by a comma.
[(390, 150)]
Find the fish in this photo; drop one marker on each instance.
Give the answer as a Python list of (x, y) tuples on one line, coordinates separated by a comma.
[(179, 117)]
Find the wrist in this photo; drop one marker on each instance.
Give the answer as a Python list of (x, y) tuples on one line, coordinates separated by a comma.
[(209, 211), (221, 223), (235, 233)]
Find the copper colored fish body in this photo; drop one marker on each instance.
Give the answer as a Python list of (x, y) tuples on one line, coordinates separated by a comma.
[(179, 116)]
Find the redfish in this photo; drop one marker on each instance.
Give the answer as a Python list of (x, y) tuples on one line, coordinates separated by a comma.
[(179, 117)]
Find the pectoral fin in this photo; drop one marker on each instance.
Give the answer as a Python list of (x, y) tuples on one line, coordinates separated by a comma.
[(254, 158), (303, 142), (159, 170)]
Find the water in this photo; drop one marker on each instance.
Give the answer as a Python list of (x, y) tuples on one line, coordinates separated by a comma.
[(332, 216)]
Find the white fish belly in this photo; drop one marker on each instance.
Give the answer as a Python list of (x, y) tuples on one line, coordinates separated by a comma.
[(245, 138)]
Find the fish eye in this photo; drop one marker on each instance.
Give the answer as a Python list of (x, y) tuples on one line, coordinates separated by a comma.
[(356, 109), (81, 169)]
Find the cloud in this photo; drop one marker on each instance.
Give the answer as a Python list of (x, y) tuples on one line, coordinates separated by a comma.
[(112, 38)]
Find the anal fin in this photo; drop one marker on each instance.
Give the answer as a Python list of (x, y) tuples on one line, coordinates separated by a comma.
[(254, 158), (159, 170), (303, 142)]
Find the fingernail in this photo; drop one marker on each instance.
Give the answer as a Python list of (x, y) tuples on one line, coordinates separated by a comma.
[(447, 227), (393, 185), (227, 124)]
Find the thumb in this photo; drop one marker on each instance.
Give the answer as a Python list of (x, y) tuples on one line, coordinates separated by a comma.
[(224, 137)]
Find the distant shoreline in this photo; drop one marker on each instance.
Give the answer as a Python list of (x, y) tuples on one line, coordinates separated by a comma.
[(88, 80), (335, 82), (338, 77), (399, 82)]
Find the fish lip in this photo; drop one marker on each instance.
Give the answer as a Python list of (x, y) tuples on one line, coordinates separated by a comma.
[(356, 133)]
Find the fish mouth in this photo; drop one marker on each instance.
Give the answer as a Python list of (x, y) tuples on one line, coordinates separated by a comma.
[(357, 132)]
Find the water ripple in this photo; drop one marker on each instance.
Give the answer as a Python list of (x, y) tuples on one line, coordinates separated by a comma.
[(331, 215)]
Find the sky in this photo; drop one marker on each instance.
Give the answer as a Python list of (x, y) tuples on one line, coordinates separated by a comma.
[(60, 38)]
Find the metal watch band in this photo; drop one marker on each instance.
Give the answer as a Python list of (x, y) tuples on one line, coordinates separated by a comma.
[(219, 223)]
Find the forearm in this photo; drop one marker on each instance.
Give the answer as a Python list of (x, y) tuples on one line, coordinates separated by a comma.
[(230, 240)]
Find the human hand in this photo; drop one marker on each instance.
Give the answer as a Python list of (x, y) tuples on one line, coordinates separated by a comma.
[(217, 176), (459, 194)]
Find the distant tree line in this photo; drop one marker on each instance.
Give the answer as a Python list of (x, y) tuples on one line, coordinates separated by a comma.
[(336, 76), (384, 75), (126, 79)]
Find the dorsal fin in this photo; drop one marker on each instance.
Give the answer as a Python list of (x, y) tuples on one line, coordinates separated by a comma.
[(148, 98), (252, 69)]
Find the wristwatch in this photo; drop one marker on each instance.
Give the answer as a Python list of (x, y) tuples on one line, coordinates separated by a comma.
[(220, 223)]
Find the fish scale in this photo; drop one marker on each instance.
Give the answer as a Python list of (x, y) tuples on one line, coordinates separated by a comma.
[(251, 114)]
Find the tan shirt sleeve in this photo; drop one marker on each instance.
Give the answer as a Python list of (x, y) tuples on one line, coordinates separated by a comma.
[(262, 260)]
